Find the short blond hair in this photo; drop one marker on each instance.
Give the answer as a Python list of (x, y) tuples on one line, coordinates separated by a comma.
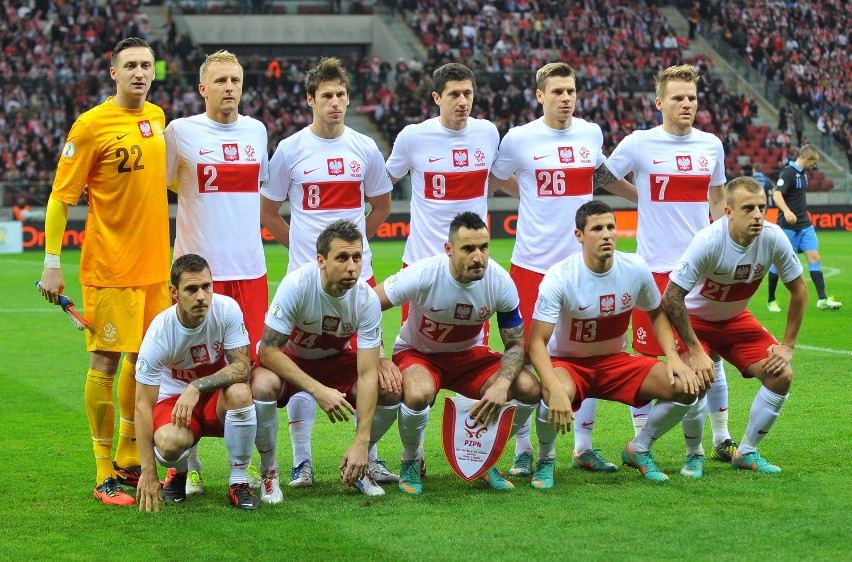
[(561, 69), (219, 56), (744, 183), (677, 73)]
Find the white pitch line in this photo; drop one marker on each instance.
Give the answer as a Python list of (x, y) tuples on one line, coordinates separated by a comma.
[(824, 349)]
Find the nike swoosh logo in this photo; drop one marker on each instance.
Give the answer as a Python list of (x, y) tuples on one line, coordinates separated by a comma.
[(540, 157), (436, 309), (240, 464), (659, 161), (306, 172), (203, 152), (761, 432), (292, 422), (720, 273), (588, 424), (723, 409), (119, 137), (639, 415), (309, 323), (685, 436), (585, 307), (433, 159)]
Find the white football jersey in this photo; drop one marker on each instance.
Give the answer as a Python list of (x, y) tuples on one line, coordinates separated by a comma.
[(722, 276), (449, 175), (672, 175), (219, 169), (446, 315), (554, 170), (172, 356), (318, 324), (325, 180), (591, 311)]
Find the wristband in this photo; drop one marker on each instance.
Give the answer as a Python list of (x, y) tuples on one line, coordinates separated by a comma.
[(51, 261)]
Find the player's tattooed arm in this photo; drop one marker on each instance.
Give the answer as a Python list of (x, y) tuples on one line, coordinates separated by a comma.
[(603, 177), (273, 338), (675, 307), (236, 371), (513, 354)]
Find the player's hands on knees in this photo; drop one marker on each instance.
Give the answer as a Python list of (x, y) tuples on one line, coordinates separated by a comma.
[(334, 404), (52, 284), (487, 410), (703, 366), (780, 356), (690, 381), (561, 414), (182, 412), (149, 492), (390, 377), (354, 464)]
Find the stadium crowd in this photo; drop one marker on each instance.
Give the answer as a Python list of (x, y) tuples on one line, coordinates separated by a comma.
[(54, 70), (800, 47)]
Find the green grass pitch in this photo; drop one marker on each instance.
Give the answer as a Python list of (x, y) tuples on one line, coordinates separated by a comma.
[(803, 513)]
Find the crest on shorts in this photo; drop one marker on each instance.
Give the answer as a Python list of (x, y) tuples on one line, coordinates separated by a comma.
[(200, 354), (472, 448)]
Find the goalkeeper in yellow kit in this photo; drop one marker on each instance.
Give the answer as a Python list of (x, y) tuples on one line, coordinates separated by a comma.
[(117, 152)]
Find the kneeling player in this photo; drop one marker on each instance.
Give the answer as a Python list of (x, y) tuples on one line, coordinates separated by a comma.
[(585, 302), (440, 343), (706, 301), (191, 381), (305, 347)]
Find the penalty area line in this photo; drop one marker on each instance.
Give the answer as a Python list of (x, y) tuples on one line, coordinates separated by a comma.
[(824, 349)]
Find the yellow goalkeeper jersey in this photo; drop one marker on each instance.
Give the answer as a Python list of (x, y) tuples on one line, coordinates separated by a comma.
[(119, 155)]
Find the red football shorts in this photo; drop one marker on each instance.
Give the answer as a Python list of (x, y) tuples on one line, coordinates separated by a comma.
[(205, 422), (644, 341), (338, 371), (527, 282), (462, 371), (253, 297), (615, 377), (742, 340)]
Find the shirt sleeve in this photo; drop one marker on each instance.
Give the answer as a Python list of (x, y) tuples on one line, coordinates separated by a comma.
[(649, 295), (370, 326), (691, 265), (172, 154), (622, 160), (75, 163), (150, 362), (785, 259), (279, 176), (548, 305), (402, 286), (504, 166), (236, 334), (399, 162), (376, 180), (281, 315)]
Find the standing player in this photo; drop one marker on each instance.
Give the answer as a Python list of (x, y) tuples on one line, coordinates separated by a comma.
[(557, 162), (584, 303), (314, 314), (440, 343), (678, 170), (192, 381), (115, 151), (707, 298), (791, 199), (217, 162), (449, 157), (328, 172)]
